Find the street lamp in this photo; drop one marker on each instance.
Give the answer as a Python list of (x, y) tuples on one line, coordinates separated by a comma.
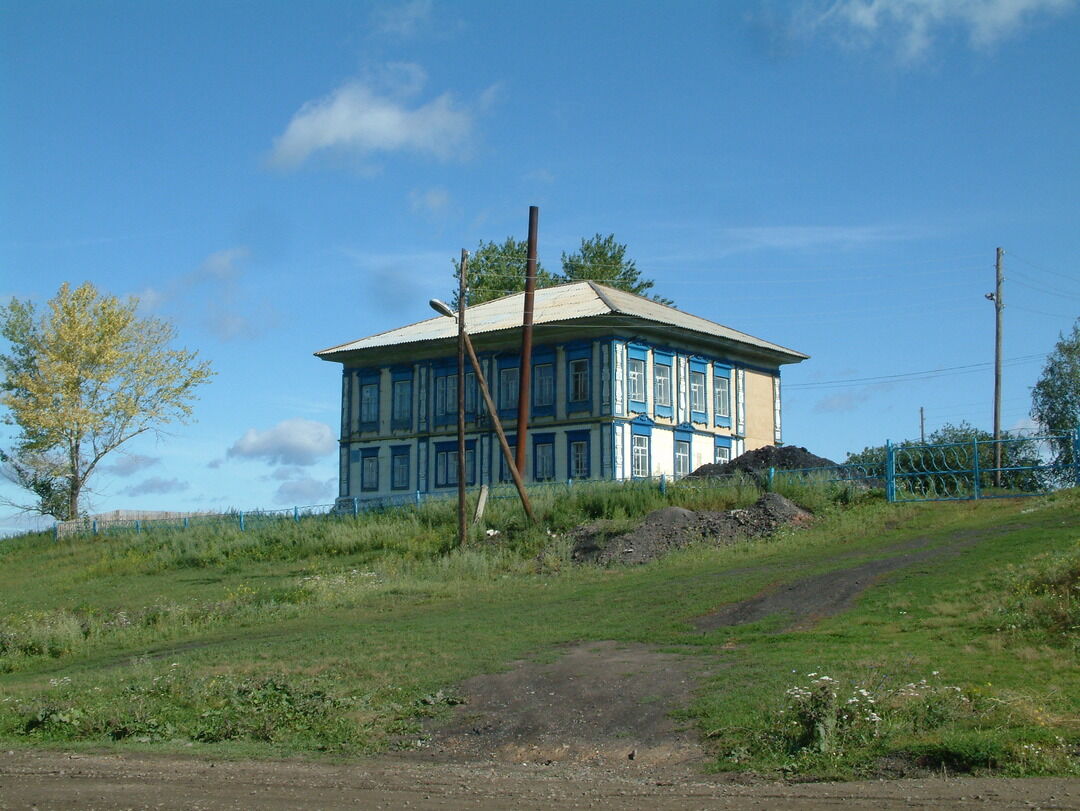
[(444, 309)]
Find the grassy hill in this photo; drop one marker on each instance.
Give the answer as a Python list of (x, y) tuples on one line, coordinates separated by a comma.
[(338, 635)]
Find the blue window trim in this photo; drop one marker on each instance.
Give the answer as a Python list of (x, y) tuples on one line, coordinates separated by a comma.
[(396, 422), (641, 425), (343, 470), (441, 369), (571, 438), (502, 364), (640, 429), (663, 357), (368, 377), (365, 454), (346, 401), (542, 439), (579, 351), (722, 441), (682, 435), (638, 352), (396, 452), (698, 365), (443, 447)]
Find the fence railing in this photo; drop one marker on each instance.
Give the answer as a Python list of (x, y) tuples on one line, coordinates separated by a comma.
[(908, 472)]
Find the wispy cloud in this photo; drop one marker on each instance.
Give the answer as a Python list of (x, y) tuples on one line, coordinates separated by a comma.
[(292, 442), (130, 464), (800, 237), (399, 281), (404, 20), (911, 27), (155, 485), (366, 117)]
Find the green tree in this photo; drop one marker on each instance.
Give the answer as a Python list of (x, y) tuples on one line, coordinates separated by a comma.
[(81, 380), (1055, 400), (497, 270), (602, 259)]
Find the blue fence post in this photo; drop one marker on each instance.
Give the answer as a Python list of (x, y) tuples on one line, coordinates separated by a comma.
[(56, 531), (355, 506), (138, 527), (417, 498), (772, 475), (1076, 455), (241, 520), (186, 522), (890, 471), (93, 527), (975, 466), (296, 514), (663, 484)]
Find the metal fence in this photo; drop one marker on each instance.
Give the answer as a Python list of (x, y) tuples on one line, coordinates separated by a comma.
[(908, 472)]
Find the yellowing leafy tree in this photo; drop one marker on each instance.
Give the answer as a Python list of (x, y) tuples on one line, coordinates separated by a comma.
[(81, 380)]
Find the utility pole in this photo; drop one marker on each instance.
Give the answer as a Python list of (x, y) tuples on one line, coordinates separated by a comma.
[(998, 307), (462, 270), (525, 373), (922, 425)]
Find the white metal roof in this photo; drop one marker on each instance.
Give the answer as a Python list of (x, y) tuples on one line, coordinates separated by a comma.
[(566, 302)]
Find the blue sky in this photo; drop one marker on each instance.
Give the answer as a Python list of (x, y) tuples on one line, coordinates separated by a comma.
[(276, 178)]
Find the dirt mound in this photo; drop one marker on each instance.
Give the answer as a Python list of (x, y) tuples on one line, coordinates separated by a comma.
[(788, 457), (674, 527)]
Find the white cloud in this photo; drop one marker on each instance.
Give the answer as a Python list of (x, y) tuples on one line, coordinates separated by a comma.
[(356, 119), (431, 201), (130, 464), (222, 264), (155, 486), (794, 237), (305, 491), (912, 26), (292, 442)]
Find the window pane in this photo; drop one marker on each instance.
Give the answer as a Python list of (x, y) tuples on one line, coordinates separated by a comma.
[(369, 402), (402, 401), (697, 391), (579, 380), (662, 377), (723, 455), (544, 385), (470, 393), (722, 397), (636, 369), (400, 475), (508, 388), (640, 461), (579, 460), (545, 461), (682, 458)]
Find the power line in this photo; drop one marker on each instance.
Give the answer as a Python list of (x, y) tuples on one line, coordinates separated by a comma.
[(908, 375), (1072, 278)]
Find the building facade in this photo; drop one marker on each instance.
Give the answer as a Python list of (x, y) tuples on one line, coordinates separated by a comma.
[(622, 387)]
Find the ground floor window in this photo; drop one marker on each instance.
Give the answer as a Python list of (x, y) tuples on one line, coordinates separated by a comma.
[(682, 458), (446, 467), (579, 459), (723, 455), (640, 459), (544, 461), (369, 470), (399, 469)]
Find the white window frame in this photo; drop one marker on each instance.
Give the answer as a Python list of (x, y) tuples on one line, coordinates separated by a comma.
[(544, 380), (369, 403), (697, 392), (369, 473), (635, 380), (682, 457), (579, 380), (579, 459), (639, 460), (722, 455), (662, 385), (398, 482), (509, 387), (722, 396), (545, 461)]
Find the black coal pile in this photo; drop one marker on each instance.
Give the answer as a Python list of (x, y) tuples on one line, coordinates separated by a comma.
[(788, 457), (674, 527)]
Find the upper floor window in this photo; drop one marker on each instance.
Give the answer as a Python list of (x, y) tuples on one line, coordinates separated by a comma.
[(470, 393), (401, 410), (369, 403), (697, 392), (722, 397), (662, 385), (445, 395), (636, 376), (508, 388), (579, 380), (544, 385)]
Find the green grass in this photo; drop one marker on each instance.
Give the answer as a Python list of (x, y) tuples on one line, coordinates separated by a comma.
[(339, 635)]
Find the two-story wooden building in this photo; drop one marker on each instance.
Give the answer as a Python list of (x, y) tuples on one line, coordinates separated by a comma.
[(622, 387)]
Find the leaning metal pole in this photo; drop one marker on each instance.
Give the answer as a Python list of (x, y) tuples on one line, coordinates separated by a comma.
[(507, 455)]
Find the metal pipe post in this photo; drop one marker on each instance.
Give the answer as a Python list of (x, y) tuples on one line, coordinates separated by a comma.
[(462, 270), (525, 372)]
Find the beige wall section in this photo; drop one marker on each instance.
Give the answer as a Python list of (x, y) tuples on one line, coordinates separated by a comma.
[(759, 410)]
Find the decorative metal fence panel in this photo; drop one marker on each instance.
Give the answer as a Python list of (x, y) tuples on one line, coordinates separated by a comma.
[(974, 469)]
